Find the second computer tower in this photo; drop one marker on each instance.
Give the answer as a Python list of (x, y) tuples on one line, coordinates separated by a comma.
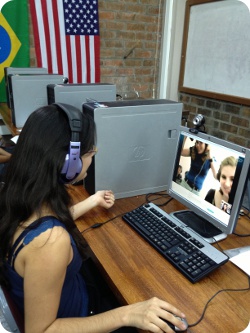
[(135, 141), (77, 94)]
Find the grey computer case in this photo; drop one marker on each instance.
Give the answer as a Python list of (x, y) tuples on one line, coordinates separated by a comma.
[(77, 94), (29, 93), (8, 71), (136, 141)]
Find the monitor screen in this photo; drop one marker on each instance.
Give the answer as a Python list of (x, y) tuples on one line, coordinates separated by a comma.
[(209, 177)]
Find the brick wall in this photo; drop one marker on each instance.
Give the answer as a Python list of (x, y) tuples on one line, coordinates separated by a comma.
[(224, 120), (129, 26), (135, 27)]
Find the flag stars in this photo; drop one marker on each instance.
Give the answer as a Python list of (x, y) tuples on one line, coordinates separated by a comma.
[(81, 17)]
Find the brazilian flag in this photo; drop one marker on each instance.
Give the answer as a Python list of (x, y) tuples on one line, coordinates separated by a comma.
[(14, 38)]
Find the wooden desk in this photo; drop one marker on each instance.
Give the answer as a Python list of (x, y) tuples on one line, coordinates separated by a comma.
[(136, 272), (6, 115)]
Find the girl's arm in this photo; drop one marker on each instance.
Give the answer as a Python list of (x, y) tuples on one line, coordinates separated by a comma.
[(4, 156), (185, 152), (213, 170), (211, 162), (103, 199), (43, 264)]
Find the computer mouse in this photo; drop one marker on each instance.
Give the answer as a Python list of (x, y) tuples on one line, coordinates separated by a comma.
[(175, 328)]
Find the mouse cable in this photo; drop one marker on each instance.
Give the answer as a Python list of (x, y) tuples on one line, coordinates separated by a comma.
[(217, 293), (100, 224)]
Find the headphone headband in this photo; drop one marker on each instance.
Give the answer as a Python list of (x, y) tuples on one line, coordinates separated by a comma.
[(73, 162), (75, 122)]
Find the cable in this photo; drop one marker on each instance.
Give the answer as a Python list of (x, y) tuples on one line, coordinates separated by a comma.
[(241, 235), (217, 293), (100, 224), (242, 213), (220, 248), (159, 196)]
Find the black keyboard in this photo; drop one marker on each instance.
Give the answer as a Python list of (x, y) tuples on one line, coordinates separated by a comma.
[(184, 249)]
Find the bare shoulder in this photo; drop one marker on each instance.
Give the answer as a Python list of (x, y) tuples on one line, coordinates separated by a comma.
[(185, 152), (52, 248)]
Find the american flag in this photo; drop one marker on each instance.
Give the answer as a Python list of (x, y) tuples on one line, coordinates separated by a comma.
[(66, 36)]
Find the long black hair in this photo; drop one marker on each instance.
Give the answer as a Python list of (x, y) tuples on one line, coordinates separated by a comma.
[(32, 178), (194, 152)]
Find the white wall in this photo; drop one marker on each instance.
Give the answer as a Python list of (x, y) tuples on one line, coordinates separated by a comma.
[(171, 49)]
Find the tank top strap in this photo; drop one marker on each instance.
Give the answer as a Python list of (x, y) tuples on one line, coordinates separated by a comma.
[(33, 230)]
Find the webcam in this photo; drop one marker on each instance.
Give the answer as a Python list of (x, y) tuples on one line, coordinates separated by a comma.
[(199, 120)]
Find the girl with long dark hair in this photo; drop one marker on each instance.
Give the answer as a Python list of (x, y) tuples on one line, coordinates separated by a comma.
[(41, 255)]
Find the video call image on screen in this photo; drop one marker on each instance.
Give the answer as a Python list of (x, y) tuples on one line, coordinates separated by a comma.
[(206, 176)]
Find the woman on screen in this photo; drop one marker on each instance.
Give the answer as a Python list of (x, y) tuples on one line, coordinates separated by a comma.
[(43, 257), (225, 175), (200, 164)]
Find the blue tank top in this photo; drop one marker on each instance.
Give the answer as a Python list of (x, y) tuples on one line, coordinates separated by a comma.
[(74, 298), (198, 170)]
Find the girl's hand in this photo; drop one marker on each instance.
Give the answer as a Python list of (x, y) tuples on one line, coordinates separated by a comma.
[(151, 315), (105, 198)]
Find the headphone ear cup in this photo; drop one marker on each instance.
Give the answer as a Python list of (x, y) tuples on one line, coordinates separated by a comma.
[(68, 176)]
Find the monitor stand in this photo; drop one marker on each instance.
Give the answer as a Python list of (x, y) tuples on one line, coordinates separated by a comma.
[(199, 225)]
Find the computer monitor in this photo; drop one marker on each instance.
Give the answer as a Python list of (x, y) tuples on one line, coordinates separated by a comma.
[(214, 218)]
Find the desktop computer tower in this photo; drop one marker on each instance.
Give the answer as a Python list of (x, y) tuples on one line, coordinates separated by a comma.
[(29, 92), (136, 144), (77, 94), (8, 71)]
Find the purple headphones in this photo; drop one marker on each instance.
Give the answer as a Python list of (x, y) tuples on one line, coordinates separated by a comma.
[(73, 162)]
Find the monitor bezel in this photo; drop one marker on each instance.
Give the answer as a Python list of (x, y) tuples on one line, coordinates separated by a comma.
[(230, 227)]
